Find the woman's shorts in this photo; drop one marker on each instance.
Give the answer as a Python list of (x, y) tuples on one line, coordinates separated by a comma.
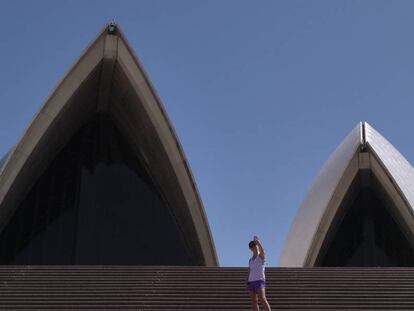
[(255, 286)]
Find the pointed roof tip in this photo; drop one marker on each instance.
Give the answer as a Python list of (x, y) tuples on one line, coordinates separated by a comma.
[(112, 28), (365, 128), (365, 124), (366, 134), (363, 143)]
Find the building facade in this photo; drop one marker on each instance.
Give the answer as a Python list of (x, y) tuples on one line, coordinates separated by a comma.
[(359, 211), (99, 176)]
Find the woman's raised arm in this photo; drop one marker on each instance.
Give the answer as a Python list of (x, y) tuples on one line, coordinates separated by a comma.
[(261, 250)]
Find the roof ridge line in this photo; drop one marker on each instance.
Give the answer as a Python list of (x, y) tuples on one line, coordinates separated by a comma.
[(364, 141)]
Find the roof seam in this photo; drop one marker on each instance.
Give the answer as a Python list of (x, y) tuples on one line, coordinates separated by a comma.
[(363, 137)]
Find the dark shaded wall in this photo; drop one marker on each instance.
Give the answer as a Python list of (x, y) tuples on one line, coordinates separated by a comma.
[(367, 236), (94, 204)]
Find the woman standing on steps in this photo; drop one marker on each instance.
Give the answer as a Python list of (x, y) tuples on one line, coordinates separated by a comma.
[(257, 282)]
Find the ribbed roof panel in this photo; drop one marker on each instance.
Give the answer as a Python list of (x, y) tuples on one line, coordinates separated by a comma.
[(394, 162)]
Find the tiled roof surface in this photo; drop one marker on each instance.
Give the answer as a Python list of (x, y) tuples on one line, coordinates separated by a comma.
[(203, 288)]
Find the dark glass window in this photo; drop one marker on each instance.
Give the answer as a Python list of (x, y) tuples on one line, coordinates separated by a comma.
[(94, 204), (367, 236)]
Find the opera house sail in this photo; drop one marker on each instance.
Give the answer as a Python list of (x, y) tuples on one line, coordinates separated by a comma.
[(99, 176), (359, 211)]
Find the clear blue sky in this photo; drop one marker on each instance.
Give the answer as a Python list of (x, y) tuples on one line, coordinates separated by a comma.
[(260, 92)]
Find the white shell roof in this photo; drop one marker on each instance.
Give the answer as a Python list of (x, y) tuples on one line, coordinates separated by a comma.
[(120, 70), (307, 225)]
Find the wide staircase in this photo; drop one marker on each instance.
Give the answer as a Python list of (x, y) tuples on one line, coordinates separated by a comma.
[(202, 288)]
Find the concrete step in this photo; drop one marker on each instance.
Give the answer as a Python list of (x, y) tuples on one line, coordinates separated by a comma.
[(202, 288)]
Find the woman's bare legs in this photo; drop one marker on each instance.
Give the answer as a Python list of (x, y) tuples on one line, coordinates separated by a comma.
[(262, 295), (253, 298)]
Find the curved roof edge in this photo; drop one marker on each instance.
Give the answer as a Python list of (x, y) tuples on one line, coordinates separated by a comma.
[(4, 159), (109, 47), (396, 165), (319, 206)]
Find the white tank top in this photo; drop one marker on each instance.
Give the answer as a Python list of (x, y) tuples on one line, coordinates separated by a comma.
[(257, 269)]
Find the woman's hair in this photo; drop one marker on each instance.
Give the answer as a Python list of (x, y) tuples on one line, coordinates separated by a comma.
[(251, 244)]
